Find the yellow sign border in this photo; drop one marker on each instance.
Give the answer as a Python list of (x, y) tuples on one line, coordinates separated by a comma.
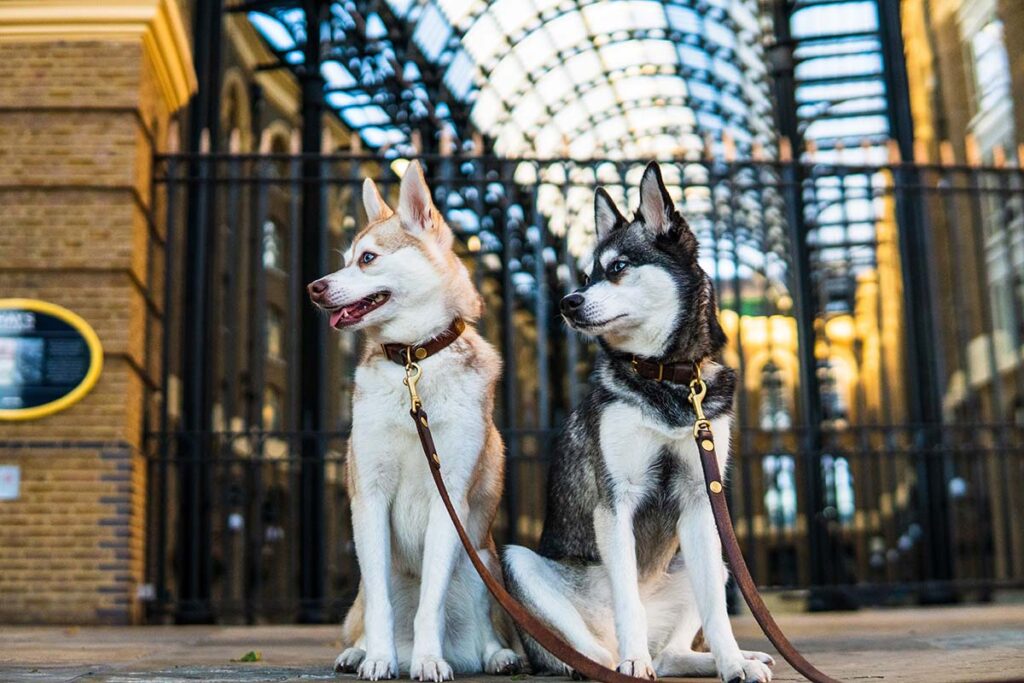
[(91, 376)]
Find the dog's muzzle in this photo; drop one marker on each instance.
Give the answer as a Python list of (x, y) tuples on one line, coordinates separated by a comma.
[(317, 290), (571, 304)]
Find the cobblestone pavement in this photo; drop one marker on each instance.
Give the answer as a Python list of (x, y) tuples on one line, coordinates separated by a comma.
[(935, 644)]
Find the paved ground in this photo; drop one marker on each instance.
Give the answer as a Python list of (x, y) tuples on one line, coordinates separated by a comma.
[(934, 645)]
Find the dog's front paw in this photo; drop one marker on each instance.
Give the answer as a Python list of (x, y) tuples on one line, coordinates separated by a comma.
[(349, 660), (762, 657), (430, 668), (640, 667), (750, 671), (378, 668), (503, 661)]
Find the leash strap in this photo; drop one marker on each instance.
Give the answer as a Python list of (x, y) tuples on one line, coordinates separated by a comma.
[(539, 631), (720, 509), (738, 566), (547, 638)]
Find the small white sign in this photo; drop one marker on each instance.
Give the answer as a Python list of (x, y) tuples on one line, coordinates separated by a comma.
[(10, 482)]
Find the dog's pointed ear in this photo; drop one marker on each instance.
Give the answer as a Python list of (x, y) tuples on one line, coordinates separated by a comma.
[(376, 208), (606, 214), (415, 207), (656, 207)]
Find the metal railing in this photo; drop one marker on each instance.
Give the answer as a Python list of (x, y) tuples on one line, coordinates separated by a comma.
[(875, 499)]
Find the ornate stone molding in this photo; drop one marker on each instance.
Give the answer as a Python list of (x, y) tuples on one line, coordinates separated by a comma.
[(155, 23)]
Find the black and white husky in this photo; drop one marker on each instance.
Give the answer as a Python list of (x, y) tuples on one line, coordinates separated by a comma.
[(626, 491)]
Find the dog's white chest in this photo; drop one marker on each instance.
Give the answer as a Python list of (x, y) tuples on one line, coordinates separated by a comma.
[(632, 442), (386, 450)]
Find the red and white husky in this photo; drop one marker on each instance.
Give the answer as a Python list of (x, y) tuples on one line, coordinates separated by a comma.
[(421, 608)]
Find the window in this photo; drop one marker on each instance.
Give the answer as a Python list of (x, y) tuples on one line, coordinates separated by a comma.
[(833, 402), (272, 407), (780, 491), (775, 415), (991, 65), (838, 487), (275, 333), (273, 246)]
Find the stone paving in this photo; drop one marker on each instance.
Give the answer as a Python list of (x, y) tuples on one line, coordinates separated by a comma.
[(977, 643)]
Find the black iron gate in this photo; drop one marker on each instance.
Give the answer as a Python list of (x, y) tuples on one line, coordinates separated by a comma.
[(248, 519)]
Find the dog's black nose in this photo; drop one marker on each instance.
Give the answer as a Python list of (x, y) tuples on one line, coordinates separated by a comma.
[(572, 302), (316, 289)]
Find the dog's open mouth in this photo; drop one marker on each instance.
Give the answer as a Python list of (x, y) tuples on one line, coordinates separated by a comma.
[(584, 325), (350, 314)]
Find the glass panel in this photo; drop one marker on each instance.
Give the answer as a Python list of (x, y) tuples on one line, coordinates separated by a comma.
[(275, 333), (273, 249), (835, 18), (991, 65)]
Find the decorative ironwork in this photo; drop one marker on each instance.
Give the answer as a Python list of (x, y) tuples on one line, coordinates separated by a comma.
[(864, 471)]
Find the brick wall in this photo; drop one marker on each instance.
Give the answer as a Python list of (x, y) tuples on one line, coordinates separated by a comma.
[(78, 125)]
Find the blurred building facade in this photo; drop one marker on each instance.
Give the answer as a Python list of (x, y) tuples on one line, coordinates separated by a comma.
[(201, 481)]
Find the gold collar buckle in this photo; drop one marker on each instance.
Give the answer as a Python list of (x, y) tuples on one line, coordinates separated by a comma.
[(635, 364)]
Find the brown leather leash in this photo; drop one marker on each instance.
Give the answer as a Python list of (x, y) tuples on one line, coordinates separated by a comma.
[(540, 632), (720, 509)]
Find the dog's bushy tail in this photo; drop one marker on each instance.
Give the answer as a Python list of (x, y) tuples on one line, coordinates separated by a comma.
[(352, 627)]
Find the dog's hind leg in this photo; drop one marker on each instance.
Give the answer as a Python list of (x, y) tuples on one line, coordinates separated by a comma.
[(542, 586), (685, 664), (352, 638), (496, 658), (678, 658), (672, 609), (673, 618), (351, 658)]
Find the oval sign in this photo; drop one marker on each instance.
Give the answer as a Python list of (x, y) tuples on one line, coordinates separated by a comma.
[(49, 358)]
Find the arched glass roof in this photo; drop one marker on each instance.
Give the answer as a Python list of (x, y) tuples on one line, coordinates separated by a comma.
[(841, 98), (843, 109), (630, 78), (547, 78), (372, 68)]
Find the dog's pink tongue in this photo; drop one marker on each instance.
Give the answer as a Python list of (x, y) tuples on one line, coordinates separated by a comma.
[(335, 317)]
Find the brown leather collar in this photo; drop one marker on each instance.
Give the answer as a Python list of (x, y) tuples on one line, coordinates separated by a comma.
[(404, 353), (676, 373)]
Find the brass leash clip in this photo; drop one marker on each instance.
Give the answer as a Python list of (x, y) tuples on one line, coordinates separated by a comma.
[(412, 375), (697, 391)]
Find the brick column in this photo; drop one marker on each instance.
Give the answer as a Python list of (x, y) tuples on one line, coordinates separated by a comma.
[(88, 90)]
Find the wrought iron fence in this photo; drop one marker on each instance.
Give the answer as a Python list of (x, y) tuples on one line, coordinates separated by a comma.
[(878, 438)]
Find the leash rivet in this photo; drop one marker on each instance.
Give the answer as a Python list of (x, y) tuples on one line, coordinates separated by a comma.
[(707, 445), (421, 353), (437, 460), (424, 421), (715, 486)]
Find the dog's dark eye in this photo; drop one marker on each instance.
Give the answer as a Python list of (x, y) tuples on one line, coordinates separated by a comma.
[(616, 266), (367, 257), (586, 279)]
